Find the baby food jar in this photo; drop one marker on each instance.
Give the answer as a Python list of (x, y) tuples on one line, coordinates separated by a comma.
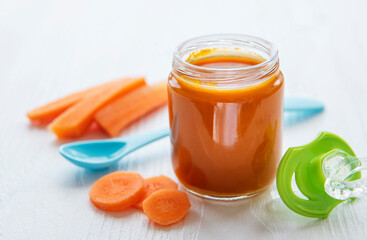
[(225, 109)]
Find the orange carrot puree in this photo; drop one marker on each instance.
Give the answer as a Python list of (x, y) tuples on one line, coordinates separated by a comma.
[(226, 142)]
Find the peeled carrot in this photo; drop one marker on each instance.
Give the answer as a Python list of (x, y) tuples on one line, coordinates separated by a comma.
[(117, 115), (117, 191), (166, 206), (154, 184), (75, 120), (46, 113)]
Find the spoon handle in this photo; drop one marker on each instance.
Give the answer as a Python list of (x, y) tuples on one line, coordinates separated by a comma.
[(139, 141), (293, 104)]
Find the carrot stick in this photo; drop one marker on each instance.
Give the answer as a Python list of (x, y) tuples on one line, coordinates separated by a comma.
[(154, 184), (166, 206), (117, 191), (75, 120), (117, 115), (46, 113)]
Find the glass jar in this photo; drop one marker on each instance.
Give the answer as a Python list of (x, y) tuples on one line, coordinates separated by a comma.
[(225, 109)]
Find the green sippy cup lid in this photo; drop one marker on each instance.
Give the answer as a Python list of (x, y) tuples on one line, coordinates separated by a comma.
[(306, 163)]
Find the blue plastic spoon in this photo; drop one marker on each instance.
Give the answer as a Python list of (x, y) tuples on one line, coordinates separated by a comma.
[(101, 154)]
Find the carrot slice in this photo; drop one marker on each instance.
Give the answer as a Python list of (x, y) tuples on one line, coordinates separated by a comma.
[(117, 191), (46, 113), (166, 206), (117, 115), (154, 184), (75, 120)]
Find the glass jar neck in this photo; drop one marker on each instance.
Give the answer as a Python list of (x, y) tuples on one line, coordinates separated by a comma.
[(226, 45)]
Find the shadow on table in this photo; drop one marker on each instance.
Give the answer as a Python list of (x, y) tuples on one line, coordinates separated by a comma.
[(273, 214), (122, 214), (82, 177)]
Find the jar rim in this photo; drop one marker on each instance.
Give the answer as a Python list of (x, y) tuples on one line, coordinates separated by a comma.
[(273, 51)]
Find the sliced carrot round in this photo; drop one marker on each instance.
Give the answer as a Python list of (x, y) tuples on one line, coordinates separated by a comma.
[(117, 191), (166, 206), (153, 184)]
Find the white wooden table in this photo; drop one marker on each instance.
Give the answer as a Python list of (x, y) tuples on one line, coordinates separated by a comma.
[(51, 48)]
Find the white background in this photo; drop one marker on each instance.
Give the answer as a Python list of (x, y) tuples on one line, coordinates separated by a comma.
[(51, 48)]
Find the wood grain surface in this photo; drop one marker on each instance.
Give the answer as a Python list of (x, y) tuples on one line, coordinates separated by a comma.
[(51, 48)]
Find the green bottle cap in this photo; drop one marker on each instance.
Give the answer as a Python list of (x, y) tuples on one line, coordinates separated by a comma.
[(306, 163)]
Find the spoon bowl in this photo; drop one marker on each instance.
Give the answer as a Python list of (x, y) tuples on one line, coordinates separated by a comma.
[(93, 154), (101, 154)]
